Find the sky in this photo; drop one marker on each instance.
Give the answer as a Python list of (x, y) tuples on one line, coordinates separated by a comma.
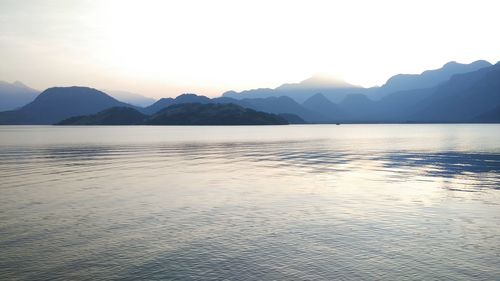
[(164, 48)]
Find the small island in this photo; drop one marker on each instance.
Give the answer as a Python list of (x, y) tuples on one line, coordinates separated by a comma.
[(181, 114)]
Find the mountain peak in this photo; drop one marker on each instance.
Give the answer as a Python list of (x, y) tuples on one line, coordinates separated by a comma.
[(19, 84), (476, 64), (72, 92), (319, 97), (190, 97), (185, 95), (450, 63), (58, 103), (483, 63), (318, 101), (325, 81), (318, 81), (15, 95)]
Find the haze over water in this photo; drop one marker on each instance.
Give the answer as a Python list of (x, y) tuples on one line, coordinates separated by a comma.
[(315, 202)]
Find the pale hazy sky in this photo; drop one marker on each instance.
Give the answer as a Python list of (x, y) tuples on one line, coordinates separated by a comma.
[(163, 48)]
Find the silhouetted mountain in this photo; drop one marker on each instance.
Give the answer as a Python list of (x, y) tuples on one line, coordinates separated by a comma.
[(399, 106), (333, 89), (184, 114), (336, 90), (462, 98), (427, 79), (212, 114), (275, 105), (184, 98), (15, 95), (131, 98), (111, 116), (56, 104), (319, 103), (192, 98)]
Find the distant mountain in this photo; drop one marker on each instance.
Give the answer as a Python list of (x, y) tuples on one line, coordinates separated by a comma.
[(398, 106), (433, 96), (111, 116), (56, 104), (192, 98), (320, 104), (15, 95), (253, 93), (184, 98), (185, 114), (463, 98), (356, 107), (279, 105), (466, 97), (333, 89), (212, 114), (275, 105), (336, 90), (131, 98), (427, 79), (318, 82)]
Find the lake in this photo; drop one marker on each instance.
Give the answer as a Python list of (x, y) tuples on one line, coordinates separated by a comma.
[(302, 202)]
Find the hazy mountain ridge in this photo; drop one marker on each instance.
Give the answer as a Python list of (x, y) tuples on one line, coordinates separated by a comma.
[(324, 106), (463, 98), (275, 105), (15, 95), (336, 90), (426, 79)]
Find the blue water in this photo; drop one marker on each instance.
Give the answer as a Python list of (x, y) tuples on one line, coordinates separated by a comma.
[(312, 202)]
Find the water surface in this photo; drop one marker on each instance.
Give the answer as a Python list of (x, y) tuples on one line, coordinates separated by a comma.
[(312, 202)]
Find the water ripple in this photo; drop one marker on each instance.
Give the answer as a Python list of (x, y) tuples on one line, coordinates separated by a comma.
[(320, 208)]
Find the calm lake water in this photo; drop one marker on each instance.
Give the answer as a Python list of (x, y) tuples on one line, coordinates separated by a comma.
[(312, 202)]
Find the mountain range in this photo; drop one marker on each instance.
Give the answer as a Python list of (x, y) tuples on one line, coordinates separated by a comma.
[(454, 93), (335, 90)]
